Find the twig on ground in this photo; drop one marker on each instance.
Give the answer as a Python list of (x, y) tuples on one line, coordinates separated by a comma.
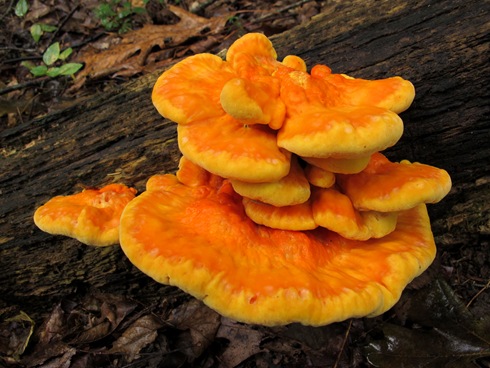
[(63, 22), (32, 51), (89, 40), (478, 294), (16, 60), (346, 335), (8, 9), (30, 83)]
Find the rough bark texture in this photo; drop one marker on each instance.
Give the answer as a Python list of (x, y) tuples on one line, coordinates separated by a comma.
[(442, 47)]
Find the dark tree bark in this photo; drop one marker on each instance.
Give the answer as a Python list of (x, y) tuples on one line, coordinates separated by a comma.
[(442, 47)]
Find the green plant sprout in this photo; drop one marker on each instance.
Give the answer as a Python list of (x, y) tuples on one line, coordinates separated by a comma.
[(52, 54), (21, 8), (50, 57), (116, 14), (38, 29)]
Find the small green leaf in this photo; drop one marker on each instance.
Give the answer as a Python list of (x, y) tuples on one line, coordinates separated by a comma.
[(123, 14), (139, 10), (39, 71), (52, 53), (36, 32), (125, 11), (21, 8), (70, 68), (108, 24), (64, 55), (104, 11), (53, 72), (48, 28), (28, 64), (125, 26)]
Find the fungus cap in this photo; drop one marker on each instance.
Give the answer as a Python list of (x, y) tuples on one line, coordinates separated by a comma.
[(191, 89), (319, 177), (252, 55), (190, 175), (294, 62), (215, 143), (298, 217), (331, 115), (91, 217), (346, 132), (387, 186), (334, 211), (199, 239), (254, 102), (395, 93), (292, 189)]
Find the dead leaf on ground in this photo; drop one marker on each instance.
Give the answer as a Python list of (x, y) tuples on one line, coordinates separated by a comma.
[(96, 317), (139, 334), (244, 342), (444, 334), (62, 361), (201, 324), (52, 354), (129, 56), (74, 324), (36, 11)]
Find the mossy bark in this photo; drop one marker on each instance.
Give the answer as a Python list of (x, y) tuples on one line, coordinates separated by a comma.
[(442, 47)]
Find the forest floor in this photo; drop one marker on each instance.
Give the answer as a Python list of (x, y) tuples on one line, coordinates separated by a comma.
[(54, 52), (116, 40)]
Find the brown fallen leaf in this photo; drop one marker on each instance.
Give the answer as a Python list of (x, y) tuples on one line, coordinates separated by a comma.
[(244, 342), (74, 325), (52, 330), (139, 334), (199, 324), (61, 361), (129, 56), (96, 317), (442, 333), (56, 354), (36, 11)]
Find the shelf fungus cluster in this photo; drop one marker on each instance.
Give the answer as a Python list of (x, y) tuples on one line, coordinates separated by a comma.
[(283, 209), (91, 216)]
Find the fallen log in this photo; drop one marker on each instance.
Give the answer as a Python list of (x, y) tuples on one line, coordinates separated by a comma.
[(117, 136)]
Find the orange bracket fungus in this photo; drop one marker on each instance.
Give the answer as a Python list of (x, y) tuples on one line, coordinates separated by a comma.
[(92, 216), (282, 209)]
